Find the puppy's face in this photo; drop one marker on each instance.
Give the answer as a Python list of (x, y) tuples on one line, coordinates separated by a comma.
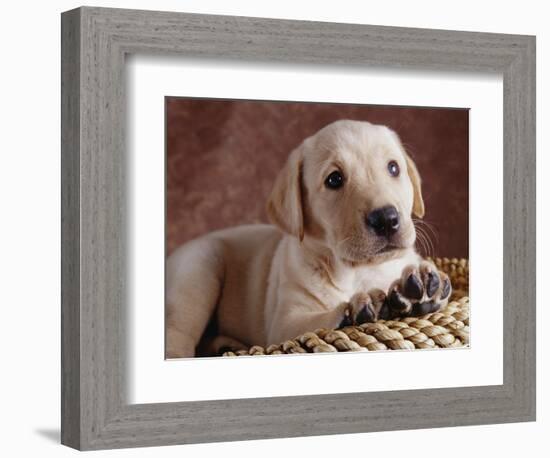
[(353, 187)]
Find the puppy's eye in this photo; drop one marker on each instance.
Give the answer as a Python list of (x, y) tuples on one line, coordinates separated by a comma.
[(393, 168), (335, 180)]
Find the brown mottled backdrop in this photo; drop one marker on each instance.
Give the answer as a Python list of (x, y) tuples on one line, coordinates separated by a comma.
[(222, 158)]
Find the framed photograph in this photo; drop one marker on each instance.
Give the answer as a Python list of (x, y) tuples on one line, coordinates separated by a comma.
[(278, 228), (360, 206)]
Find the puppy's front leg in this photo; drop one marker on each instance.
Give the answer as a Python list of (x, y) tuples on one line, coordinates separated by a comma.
[(364, 308), (421, 289)]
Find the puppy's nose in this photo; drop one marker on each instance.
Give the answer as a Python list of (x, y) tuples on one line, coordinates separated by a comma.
[(384, 221)]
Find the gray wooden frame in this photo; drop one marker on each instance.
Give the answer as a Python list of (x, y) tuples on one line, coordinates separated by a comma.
[(95, 413)]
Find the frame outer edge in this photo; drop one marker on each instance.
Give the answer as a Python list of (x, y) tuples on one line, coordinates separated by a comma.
[(529, 123), (70, 229), (92, 376), (532, 120), (520, 232)]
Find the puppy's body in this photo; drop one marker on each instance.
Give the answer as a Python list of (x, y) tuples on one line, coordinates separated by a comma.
[(227, 273), (326, 258), (264, 286)]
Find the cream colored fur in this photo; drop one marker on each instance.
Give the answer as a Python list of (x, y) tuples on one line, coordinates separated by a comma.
[(269, 283)]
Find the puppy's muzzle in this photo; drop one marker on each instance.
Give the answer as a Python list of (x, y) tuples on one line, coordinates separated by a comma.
[(383, 221)]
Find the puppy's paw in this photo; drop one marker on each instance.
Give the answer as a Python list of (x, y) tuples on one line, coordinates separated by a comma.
[(363, 308), (421, 289)]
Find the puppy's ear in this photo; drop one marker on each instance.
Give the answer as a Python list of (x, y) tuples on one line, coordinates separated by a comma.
[(418, 202), (284, 206)]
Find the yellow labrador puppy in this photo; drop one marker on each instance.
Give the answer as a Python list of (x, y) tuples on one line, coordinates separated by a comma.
[(340, 252)]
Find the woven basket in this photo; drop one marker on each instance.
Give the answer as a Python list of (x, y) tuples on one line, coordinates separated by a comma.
[(449, 327)]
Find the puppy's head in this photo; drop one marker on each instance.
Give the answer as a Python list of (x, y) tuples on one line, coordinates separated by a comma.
[(352, 187)]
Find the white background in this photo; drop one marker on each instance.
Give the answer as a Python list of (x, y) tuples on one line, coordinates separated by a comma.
[(29, 234), (154, 380)]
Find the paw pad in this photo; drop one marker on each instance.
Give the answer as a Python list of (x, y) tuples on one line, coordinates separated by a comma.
[(365, 315), (413, 287), (362, 309), (419, 291)]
